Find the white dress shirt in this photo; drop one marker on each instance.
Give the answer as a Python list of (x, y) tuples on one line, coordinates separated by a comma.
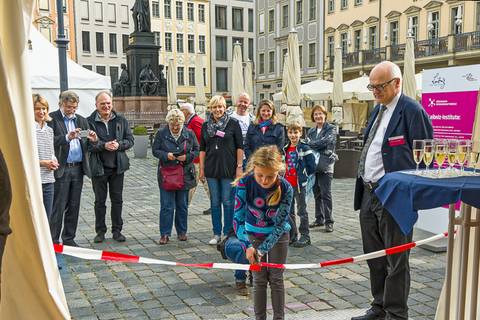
[(374, 162)]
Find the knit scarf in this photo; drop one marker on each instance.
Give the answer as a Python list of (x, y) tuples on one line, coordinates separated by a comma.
[(213, 127)]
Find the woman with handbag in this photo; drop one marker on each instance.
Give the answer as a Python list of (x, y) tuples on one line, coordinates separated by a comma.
[(322, 139), (221, 160), (176, 147)]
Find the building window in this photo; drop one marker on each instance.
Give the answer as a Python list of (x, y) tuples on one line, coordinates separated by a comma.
[(456, 28), (190, 11), (300, 55), (221, 48), (261, 23), (201, 44), (158, 40), (331, 46), (250, 20), (168, 42), (285, 16), (220, 17), (261, 63), (180, 42), (331, 6), (98, 11), (343, 4), (434, 25), (83, 9), (250, 49), (312, 10), (88, 66), (179, 10), (312, 55), (85, 41), (344, 43), (393, 33), (413, 24), (284, 55), (201, 13), (167, 9), (271, 62), (101, 70), (237, 19), (372, 31), (125, 38), (99, 41), (180, 76), (43, 5), (111, 13), (478, 16), (155, 9), (191, 43), (124, 14), (271, 21), (358, 2), (112, 37), (191, 76), (113, 74), (222, 79), (299, 9), (357, 35)]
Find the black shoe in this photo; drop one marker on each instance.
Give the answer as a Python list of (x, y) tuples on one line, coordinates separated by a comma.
[(302, 242), (329, 227), (292, 241), (242, 289), (316, 224), (100, 237), (119, 237), (70, 243), (207, 212), (371, 314)]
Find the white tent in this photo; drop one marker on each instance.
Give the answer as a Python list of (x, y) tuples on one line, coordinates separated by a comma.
[(358, 88), (314, 90), (45, 80)]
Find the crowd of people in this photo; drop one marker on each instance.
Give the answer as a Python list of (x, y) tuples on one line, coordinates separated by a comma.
[(255, 171)]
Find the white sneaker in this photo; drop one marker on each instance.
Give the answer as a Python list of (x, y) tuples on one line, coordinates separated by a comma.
[(215, 240)]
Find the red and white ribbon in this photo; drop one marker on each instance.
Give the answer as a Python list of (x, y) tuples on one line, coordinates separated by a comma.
[(92, 254)]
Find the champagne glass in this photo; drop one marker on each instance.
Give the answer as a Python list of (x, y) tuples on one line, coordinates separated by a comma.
[(463, 152), (474, 155), (440, 153), (452, 146), (418, 149), (428, 152)]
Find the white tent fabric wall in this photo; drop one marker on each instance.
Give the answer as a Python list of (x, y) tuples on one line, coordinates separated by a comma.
[(44, 75), (31, 285)]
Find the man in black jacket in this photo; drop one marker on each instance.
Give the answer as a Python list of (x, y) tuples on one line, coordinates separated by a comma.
[(71, 132), (108, 163)]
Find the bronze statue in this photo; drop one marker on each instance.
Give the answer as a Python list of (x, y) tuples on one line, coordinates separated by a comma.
[(120, 88), (148, 81), (141, 16)]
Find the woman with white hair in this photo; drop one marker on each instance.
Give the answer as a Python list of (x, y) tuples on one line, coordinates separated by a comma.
[(176, 147)]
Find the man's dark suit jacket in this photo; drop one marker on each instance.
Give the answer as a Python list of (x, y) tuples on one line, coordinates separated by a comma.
[(62, 146), (410, 121)]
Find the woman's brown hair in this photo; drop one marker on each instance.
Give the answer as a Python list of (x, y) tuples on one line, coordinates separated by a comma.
[(268, 103), (321, 109)]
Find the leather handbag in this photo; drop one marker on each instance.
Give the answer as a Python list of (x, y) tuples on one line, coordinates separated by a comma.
[(173, 176)]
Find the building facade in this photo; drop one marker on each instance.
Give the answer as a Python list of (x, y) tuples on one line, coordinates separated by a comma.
[(446, 33), (45, 20), (102, 29), (275, 19), (182, 29), (232, 21)]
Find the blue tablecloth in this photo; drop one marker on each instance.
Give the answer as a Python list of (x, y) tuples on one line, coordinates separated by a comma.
[(404, 194)]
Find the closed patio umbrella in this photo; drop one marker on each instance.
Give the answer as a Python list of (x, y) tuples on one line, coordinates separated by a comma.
[(200, 100), (293, 82), (171, 83), (409, 85), (237, 73), (337, 97), (249, 79)]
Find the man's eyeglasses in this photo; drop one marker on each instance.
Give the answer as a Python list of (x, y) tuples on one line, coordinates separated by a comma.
[(379, 87)]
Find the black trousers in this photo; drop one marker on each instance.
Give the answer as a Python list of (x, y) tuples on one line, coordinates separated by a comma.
[(112, 183), (322, 191), (299, 199), (389, 275), (66, 204)]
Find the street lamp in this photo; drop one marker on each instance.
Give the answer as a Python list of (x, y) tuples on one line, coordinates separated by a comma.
[(62, 43)]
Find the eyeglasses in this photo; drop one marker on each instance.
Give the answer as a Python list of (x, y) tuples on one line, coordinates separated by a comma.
[(379, 87)]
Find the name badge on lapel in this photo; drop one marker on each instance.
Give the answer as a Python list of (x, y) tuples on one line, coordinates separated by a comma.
[(220, 134), (396, 141)]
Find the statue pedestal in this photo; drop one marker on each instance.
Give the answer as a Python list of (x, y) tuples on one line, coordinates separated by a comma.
[(140, 52), (140, 104)]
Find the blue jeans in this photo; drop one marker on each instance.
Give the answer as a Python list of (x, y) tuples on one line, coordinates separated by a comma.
[(221, 192), (173, 202), (48, 191), (235, 252)]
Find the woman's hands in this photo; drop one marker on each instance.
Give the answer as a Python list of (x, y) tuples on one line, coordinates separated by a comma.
[(252, 255), (171, 157)]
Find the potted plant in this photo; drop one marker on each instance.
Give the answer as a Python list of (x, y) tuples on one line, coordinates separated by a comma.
[(140, 147)]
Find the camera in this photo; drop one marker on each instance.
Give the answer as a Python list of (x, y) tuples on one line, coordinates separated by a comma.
[(83, 133)]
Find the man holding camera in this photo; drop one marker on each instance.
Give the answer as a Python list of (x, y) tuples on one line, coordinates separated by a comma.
[(71, 132)]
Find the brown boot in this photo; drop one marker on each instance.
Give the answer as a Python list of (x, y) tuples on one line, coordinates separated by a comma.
[(242, 289)]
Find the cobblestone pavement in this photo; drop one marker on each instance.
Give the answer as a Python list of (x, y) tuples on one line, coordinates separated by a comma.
[(108, 290)]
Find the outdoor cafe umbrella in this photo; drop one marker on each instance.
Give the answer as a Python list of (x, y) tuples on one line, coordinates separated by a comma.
[(337, 97), (237, 73), (293, 82), (283, 93), (200, 99), (171, 83), (249, 79), (409, 85)]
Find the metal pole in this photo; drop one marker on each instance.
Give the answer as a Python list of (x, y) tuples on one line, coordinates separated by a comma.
[(62, 42)]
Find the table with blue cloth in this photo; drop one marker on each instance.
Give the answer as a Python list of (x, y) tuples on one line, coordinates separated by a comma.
[(404, 193)]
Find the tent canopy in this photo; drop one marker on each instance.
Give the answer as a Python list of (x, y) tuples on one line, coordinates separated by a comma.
[(316, 90), (44, 75)]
